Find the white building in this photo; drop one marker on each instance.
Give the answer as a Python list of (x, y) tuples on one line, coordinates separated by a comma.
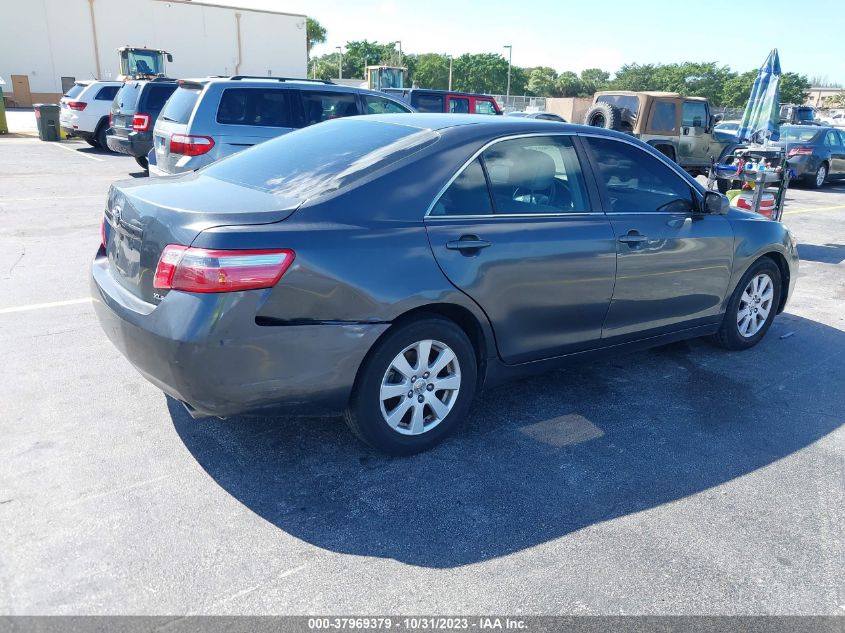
[(46, 44)]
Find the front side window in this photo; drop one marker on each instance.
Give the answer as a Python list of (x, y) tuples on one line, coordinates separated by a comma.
[(694, 114), (323, 106), (484, 106), (380, 105), (467, 195), (637, 182), (536, 175), (459, 105), (428, 103), (264, 107), (107, 93), (663, 115)]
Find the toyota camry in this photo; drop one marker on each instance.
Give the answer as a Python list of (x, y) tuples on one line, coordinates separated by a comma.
[(389, 267)]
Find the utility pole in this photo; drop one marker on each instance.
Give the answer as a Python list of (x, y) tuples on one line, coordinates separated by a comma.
[(400, 51), (339, 63), (510, 55), (450, 73)]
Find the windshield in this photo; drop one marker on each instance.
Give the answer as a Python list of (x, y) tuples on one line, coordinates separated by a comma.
[(142, 62), (321, 158), (804, 114), (797, 134), (628, 104)]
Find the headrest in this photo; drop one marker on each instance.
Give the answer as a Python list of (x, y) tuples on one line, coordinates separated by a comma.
[(533, 170)]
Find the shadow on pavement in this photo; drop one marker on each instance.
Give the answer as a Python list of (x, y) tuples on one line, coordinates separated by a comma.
[(540, 458), (823, 253)]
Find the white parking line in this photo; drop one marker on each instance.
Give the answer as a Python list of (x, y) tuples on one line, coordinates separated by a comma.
[(44, 306), (71, 149)]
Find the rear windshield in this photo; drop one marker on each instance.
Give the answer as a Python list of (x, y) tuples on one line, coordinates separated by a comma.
[(155, 96), (322, 158), (126, 98), (799, 133), (74, 91), (628, 104), (180, 105)]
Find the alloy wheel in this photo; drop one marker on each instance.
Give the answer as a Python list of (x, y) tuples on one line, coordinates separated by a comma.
[(755, 305), (420, 387), (821, 174)]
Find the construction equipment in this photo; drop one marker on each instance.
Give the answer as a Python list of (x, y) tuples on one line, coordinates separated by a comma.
[(379, 77), (142, 63)]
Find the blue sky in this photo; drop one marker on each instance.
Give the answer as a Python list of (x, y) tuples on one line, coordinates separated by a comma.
[(570, 35)]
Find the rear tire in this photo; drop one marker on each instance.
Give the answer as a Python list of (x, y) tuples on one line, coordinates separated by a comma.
[(817, 180), (752, 306), (102, 130), (604, 115), (402, 412)]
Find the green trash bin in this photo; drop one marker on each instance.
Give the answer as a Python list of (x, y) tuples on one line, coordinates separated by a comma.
[(47, 119), (4, 126)]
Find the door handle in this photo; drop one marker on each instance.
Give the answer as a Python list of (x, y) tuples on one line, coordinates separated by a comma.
[(633, 238), (467, 243)]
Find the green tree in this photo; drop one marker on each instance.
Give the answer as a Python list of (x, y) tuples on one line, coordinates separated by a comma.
[(484, 72), (431, 70), (315, 33), (793, 88), (541, 81), (737, 89), (593, 80), (568, 84)]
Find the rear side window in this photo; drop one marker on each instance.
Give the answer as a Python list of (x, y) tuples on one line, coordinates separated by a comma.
[(380, 105), (663, 116), (322, 106), (156, 95), (467, 195), (483, 106), (459, 105), (107, 93), (322, 158), (265, 107), (180, 105), (428, 103), (637, 182), (75, 90)]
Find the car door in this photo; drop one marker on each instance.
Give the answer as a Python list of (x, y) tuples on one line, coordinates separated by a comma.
[(694, 146), (673, 262), (520, 233), (833, 142)]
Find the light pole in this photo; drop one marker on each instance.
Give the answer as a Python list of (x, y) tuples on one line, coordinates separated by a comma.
[(450, 73), (510, 55), (400, 51), (339, 63)]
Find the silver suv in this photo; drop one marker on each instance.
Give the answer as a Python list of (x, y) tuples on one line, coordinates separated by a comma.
[(207, 119)]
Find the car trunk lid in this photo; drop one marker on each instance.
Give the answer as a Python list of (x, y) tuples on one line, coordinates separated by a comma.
[(143, 218)]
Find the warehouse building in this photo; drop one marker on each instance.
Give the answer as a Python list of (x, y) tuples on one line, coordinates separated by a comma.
[(45, 45)]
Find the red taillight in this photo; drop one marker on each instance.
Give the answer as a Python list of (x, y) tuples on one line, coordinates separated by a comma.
[(141, 122), (188, 145), (801, 151), (111, 119), (79, 106), (206, 270)]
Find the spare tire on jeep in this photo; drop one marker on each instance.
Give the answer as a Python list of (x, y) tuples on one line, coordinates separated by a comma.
[(604, 115)]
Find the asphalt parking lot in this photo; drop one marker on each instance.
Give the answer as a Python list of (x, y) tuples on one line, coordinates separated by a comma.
[(684, 480)]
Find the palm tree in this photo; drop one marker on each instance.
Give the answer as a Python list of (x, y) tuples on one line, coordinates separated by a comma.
[(315, 33)]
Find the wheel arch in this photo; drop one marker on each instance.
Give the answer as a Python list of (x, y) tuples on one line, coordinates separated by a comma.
[(780, 262)]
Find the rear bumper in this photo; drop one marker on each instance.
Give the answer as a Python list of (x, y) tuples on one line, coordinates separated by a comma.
[(136, 144), (208, 352)]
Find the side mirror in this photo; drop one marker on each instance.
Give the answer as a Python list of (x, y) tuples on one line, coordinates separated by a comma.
[(717, 118), (169, 57), (715, 203)]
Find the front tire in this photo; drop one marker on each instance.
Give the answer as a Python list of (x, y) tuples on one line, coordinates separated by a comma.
[(415, 387), (142, 162), (102, 131), (752, 307)]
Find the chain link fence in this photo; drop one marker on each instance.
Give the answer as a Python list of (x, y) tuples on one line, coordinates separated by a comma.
[(520, 103)]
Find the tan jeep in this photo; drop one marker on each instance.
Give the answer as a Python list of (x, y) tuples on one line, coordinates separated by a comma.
[(680, 127)]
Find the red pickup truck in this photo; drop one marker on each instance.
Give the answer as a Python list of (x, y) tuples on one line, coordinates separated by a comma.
[(425, 100)]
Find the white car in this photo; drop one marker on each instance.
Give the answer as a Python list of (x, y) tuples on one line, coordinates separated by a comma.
[(85, 110), (835, 118)]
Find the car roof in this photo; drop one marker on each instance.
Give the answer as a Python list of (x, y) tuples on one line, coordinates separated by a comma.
[(286, 83), (486, 125)]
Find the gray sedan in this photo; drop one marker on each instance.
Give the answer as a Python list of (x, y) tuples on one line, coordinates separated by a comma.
[(389, 267)]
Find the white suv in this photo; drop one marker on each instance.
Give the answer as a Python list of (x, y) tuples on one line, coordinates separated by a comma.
[(85, 110)]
